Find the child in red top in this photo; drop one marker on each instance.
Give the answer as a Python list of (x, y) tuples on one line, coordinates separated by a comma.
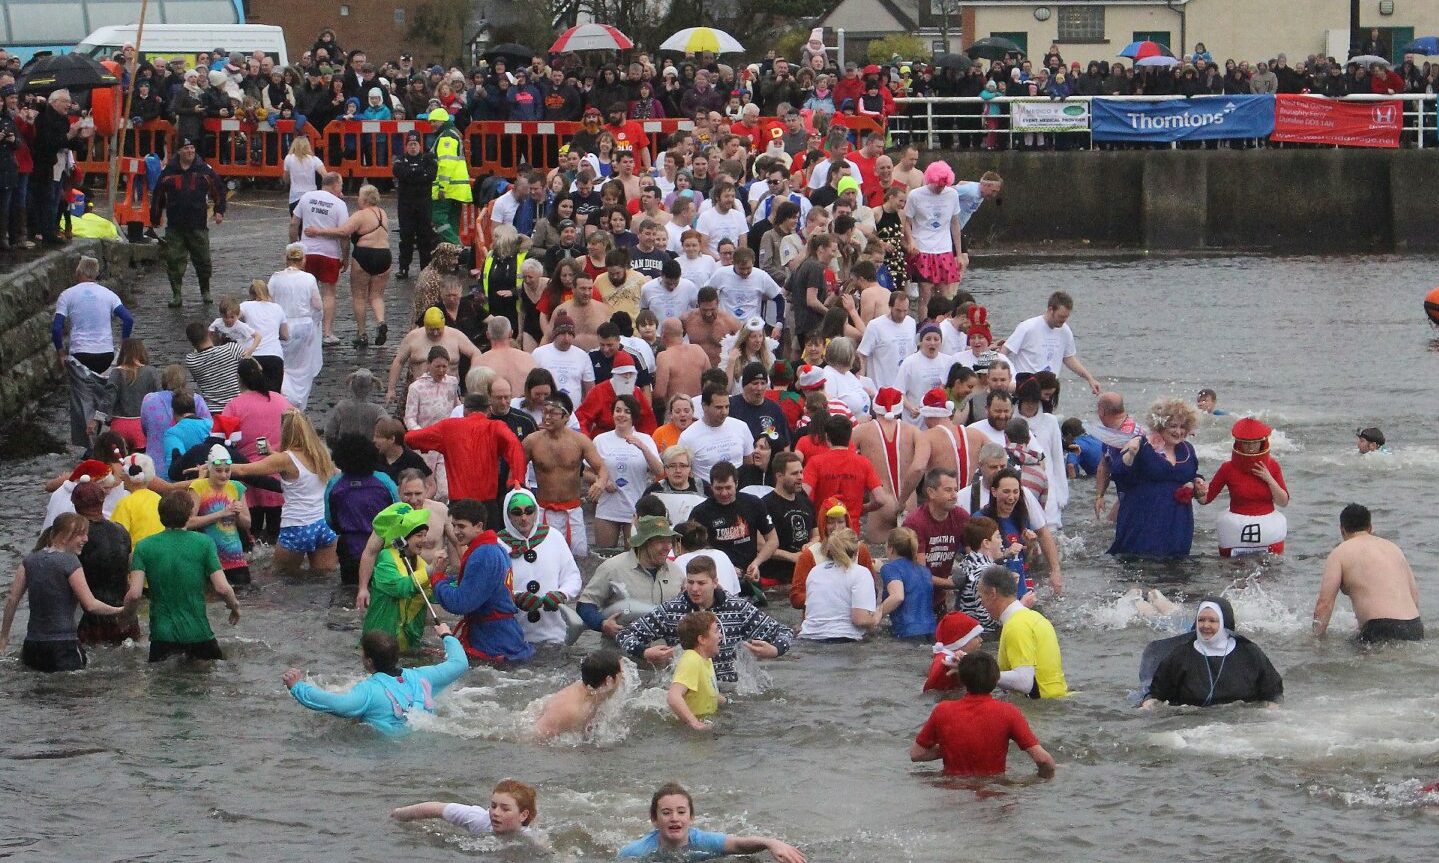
[(972, 734)]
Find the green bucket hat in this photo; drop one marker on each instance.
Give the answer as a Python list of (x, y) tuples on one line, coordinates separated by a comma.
[(651, 527), (399, 520)]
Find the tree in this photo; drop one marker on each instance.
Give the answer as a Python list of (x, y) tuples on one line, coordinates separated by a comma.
[(445, 24)]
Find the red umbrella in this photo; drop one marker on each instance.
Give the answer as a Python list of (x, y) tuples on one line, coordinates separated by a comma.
[(591, 37), (1145, 49)]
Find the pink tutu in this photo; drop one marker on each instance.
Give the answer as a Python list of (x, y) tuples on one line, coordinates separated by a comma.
[(937, 269)]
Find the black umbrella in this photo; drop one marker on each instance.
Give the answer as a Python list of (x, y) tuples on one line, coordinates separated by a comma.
[(952, 61), (66, 72), (994, 48), (511, 52)]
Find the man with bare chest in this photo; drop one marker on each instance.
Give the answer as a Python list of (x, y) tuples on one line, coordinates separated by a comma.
[(415, 347), (678, 367), (943, 444), (558, 454), (708, 324), (508, 361), (585, 312), (889, 445), (1376, 577)]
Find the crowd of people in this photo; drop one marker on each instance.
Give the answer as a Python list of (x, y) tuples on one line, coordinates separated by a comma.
[(733, 379)]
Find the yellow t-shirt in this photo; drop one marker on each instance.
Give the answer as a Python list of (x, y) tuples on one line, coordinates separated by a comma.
[(697, 674), (139, 513), (1029, 639)]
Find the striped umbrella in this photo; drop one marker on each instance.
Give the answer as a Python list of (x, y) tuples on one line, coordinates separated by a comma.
[(1141, 50), (692, 40), (591, 37)]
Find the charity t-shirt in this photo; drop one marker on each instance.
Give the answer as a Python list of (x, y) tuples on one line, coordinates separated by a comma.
[(919, 374), (177, 565), (628, 469), (831, 592), (734, 527), (718, 226), (793, 521), (973, 734), (666, 303), (884, 346), (730, 442), (699, 845), (89, 307), (571, 368), (929, 217), (940, 541), (1028, 639), (697, 675), (320, 209), (743, 297), (845, 387), (225, 533), (697, 270), (1038, 347), (841, 473)]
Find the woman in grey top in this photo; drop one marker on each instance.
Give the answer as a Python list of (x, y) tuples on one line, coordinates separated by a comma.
[(131, 380), (56, 583)]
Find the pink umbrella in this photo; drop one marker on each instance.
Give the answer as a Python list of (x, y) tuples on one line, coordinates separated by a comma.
[(591, 37)]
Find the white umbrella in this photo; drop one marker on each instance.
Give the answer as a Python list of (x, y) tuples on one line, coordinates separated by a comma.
[(1368, 60), (591, 37), (1158, 60), (693, 40)]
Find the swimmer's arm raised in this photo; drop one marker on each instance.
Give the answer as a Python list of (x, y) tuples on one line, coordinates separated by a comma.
[(1329, 585), (781, 851), (419, 811)]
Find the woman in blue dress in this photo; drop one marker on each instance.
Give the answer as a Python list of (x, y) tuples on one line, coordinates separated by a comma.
[(1156, 517)]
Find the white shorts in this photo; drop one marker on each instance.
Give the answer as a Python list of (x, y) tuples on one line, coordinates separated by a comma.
[(571, 524)]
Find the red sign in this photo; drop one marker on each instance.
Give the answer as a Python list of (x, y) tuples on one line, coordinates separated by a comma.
[(1317, 120)]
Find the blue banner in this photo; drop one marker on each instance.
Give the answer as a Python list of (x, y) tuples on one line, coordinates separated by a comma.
[(1202, 118)]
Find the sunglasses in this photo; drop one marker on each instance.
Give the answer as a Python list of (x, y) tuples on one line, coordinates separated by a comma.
[(527, 510)]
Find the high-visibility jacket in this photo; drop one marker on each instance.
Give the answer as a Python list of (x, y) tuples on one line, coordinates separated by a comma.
[(452, 179)]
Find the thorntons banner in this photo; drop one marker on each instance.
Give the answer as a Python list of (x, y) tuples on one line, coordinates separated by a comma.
[(1316, 120), (1202, 118)]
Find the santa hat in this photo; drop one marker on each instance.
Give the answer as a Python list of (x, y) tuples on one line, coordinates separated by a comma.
[(955, 631), (624, 364), (979, 322), (888, 402), (226, 429), (810, 378), (138, 467), (90, 470), (937, 404)]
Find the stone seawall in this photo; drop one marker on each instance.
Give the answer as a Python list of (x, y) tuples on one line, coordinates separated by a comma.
[(28, 291), (1294, 201)]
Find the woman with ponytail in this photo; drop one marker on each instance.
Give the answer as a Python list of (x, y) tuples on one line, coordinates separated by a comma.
[(258, 409)]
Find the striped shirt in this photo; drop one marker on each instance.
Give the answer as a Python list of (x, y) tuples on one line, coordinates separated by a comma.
[(214, 371)]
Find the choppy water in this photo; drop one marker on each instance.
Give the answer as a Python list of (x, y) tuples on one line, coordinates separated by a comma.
[(128, 762)]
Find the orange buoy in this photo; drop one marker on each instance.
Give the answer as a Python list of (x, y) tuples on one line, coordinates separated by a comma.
[(1431, 306)]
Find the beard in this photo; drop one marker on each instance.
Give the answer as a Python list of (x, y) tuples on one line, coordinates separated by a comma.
[(624, 385)]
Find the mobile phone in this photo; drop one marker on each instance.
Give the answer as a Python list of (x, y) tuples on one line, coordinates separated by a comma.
[(262, 445)]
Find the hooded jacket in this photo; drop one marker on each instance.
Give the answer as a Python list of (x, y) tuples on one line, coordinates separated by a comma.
[(540, 562)]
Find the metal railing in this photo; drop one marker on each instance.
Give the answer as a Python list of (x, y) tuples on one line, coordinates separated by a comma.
[(962, 122)]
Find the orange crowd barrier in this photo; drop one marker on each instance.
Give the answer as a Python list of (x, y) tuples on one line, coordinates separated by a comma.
[(156, 136), (132, 200), (367, 148), (240, 148), (502, 146)]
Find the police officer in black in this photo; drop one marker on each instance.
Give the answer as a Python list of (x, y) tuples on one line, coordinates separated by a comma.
[(414, 177)]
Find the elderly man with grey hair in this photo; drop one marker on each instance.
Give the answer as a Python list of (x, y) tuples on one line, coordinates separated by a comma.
[(86, 309), (508, 361), (53, 133)]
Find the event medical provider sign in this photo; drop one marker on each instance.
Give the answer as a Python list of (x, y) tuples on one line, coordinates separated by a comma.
[(1202, 118), (1316, 120), (1049, 116)]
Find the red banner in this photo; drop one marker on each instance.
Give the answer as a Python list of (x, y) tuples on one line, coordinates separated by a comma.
[(1317, 120)]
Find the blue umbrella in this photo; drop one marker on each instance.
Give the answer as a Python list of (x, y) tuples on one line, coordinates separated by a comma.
[(1146, 48), (1426, 45)]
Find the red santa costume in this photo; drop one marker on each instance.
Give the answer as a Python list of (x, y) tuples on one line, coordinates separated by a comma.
[(1251, 525), (596, 414), (955, 631)]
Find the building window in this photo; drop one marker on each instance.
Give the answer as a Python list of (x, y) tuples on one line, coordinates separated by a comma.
[(344, 11), (941, 8), (1081, 23), (400, 17)]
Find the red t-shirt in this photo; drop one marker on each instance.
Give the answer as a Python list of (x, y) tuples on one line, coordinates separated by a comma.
[(630, 135), (1248, 494), (868, 181), (841, 473), (973, 734), (940, 541)]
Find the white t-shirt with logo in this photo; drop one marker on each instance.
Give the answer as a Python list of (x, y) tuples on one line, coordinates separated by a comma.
[(919, 374), (929, 217), (666, 303), (320, 209), (730, 442), (89, 307), (698, 270), (1035, 346), (743, 298), (717, 226), (831, 592), (571, 369), (885, 345), (628, 470)]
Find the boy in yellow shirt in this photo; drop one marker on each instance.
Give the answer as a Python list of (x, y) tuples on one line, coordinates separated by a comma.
[(694, 693), (139, 511)]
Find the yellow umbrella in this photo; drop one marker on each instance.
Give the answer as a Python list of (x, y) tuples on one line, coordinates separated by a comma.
[(693, 40)]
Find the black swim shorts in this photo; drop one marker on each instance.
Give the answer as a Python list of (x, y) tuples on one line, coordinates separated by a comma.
[(1382, 629)]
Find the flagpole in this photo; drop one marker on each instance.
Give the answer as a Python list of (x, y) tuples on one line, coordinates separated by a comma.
[(113, 181)]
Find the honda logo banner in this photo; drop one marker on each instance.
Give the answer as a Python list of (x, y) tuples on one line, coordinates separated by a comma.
[(1316, 120), (1202, 118)]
